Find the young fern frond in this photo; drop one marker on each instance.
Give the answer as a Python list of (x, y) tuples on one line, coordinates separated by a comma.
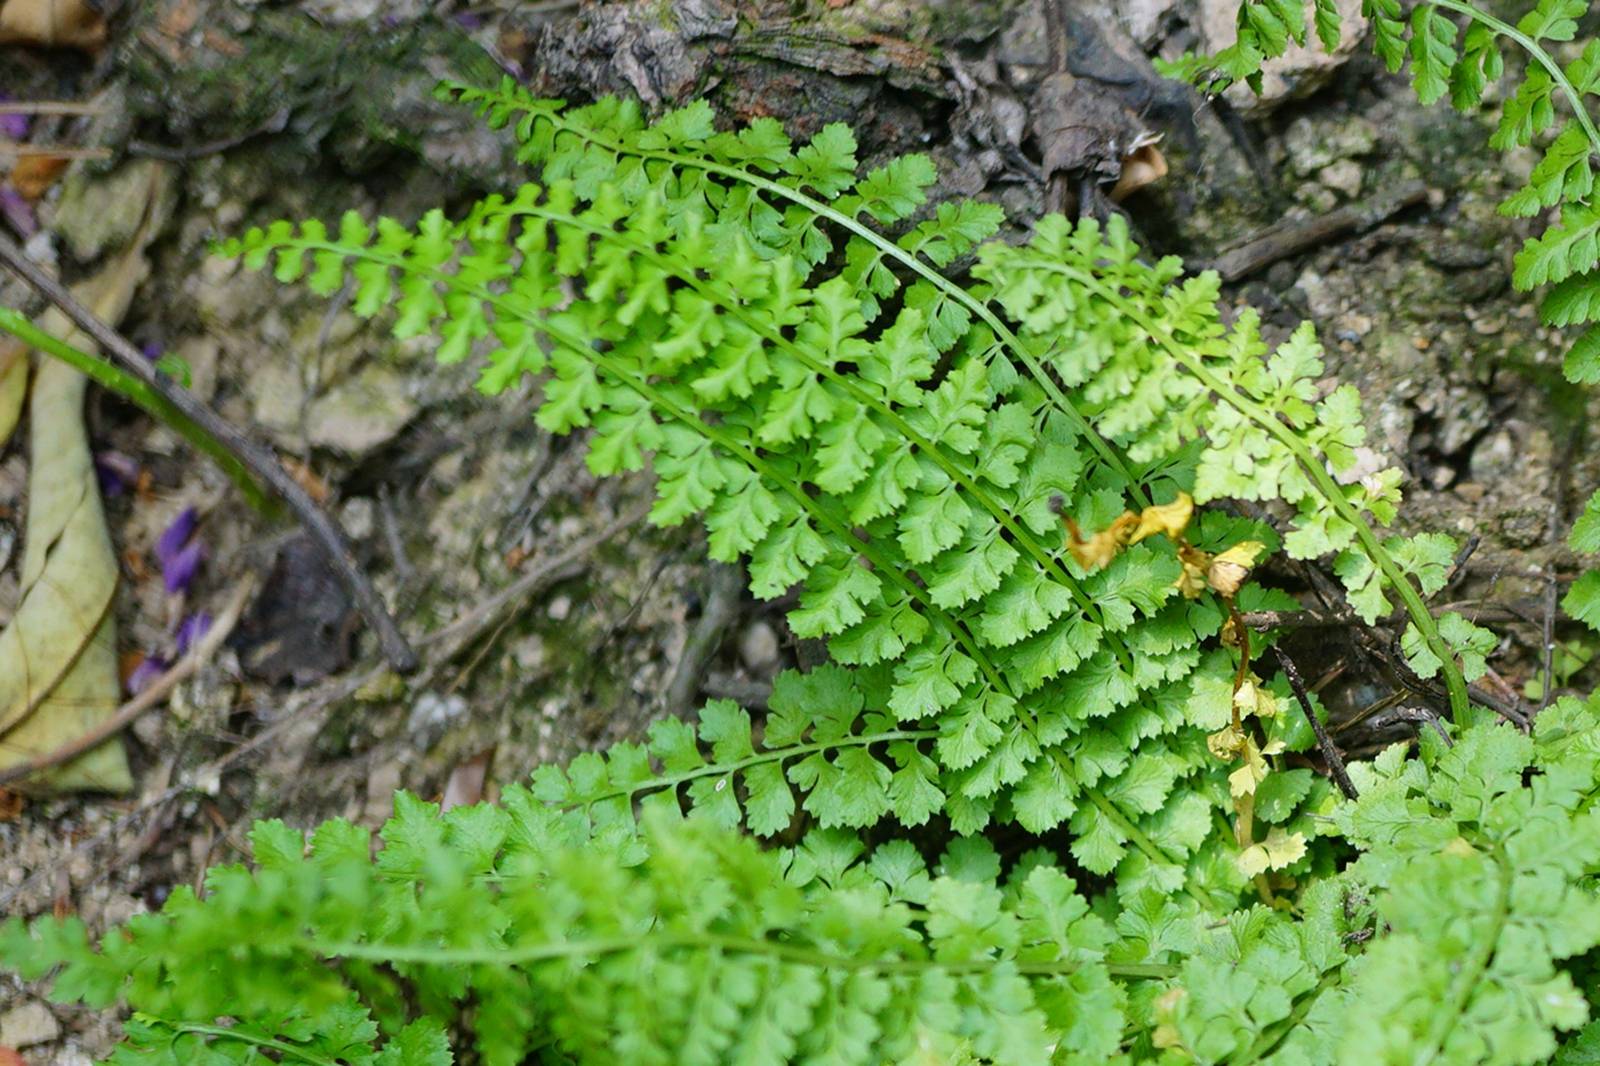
[(609, 142), (735, 177), (906, 485), (968, 636), (708, 950)]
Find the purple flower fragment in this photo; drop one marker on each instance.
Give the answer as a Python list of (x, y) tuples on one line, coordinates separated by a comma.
[(192, 630), (145, 674), (177, 534), (179, 571), (151, 351), (12, 125), (118, 473), (17, 211), (469, 21), (179, 551)]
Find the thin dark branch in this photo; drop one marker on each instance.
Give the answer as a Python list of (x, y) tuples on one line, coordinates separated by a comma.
[(721, 611), (1312, 618), (1330, 754), (260, 461), (1458, 566), (1290, 238)]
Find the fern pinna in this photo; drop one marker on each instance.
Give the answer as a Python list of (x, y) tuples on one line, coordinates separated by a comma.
[(1455, 49), (782, 340)]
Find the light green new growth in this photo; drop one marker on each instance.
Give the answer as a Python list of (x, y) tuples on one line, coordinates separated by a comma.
[(1454, 49)]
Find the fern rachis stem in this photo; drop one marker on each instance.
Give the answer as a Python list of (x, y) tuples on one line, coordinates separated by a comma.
[(888, 247), (794, 953), (672, 781), (967, 481), (1538, 54), (1460, 701), (222, 1032)]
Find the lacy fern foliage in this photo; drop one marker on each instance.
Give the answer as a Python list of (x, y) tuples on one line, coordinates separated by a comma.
[(1455, 48), (974, 464)]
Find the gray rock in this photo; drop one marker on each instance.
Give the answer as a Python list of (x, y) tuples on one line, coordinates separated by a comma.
[(361, 413), (1314, 146), (28, 1024), (343, 11), (100, 212), (277, 399), (758, 646), (1345, 177), (1144, 19), (432, 713)]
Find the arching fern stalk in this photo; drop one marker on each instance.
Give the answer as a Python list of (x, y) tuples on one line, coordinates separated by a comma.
[(890, 459), (753, 182), (1454, 49)]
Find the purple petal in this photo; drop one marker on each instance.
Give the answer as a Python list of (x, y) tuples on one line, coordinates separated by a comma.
[(13, 125), (118, 472), (469, 21), (176, 535), (15, 209), (179, 570), (192, 631), (149, 668), (151, 350)]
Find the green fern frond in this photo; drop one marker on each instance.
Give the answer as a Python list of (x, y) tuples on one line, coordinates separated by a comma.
[(697, 948)]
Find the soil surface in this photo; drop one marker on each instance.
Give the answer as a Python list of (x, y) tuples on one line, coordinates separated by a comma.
[(567, 621)]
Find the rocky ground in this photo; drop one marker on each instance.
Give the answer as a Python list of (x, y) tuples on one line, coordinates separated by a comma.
[(256, 112)]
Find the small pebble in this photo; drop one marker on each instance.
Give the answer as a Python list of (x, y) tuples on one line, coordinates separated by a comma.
[(758, 646), (27, 1025)]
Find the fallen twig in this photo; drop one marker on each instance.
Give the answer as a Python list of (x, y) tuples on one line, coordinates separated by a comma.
[(720, 612), (55, 151), (148, 698), (48, 107), (1313, 618), (1288, 238), (1330, 754), (447, 641), (261, 462)]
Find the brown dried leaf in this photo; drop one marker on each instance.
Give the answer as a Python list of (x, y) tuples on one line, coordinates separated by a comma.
[(34, 174), (13, 386), (465, 784), (1145, 165), (1229, 569), (58, 658)]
